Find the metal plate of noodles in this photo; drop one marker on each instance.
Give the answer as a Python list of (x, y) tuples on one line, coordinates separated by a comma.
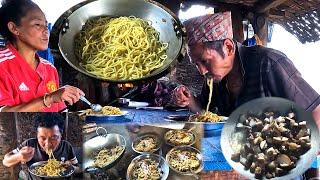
[(162, 165), (32, 169)]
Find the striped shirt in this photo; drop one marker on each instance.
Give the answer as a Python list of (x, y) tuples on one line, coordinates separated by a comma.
[(265, 73)]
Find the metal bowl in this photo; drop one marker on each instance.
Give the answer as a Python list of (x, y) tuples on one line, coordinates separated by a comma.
[(92, 147), (68, 172), (230, 139), (189, 148), (163, 20), (162, 165), (185, 130), (136, 141)]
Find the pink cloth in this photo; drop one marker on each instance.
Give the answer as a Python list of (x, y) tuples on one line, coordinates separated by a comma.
[(210, 27)]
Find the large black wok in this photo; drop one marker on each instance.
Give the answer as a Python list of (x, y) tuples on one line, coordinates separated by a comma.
[(163, 20)]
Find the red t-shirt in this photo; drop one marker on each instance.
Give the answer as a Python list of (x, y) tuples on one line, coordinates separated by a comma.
[(19, 83)]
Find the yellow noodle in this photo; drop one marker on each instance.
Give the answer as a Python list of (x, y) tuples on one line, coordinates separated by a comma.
[(106, 110), (51, 168), (207, 116), (120, 48), (147, 144), (147, 169), (210, 84), (184, 160), (179, 137), (107, 156)]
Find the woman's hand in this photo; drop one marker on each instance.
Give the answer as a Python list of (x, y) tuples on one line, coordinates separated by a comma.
[(66, 93)]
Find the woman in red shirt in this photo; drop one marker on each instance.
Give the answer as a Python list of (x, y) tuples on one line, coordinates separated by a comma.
[(28, 82)]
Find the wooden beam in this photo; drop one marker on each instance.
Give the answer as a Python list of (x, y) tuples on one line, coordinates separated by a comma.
[(215, 4), (274, 12), (262, 8), (173, 5)]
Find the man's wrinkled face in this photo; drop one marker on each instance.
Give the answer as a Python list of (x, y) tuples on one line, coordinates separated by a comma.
[(49, 138), (209, 62)]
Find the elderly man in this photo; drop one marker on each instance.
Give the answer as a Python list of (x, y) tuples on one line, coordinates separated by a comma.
[(240, 73), (49, 131)]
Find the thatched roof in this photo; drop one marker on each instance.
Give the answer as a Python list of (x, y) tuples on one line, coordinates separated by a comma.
[(299, 17)]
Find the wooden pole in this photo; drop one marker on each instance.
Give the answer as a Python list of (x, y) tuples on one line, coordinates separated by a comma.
[(14, 169), (237, 25), (237, 18), (267, 5)]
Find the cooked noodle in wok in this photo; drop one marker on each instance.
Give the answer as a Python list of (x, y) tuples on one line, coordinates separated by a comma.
[(107, 156), (120, 48)]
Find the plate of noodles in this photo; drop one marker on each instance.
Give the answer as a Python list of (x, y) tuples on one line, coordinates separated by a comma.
[(46, 170), (106, 111), (207, 117), (51, 168), (210, 121)]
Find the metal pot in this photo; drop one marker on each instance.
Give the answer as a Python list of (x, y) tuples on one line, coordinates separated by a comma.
[(159, 159), (163, 20), (94, 145), (193, 140), (138, 139), (190, 149), (230, 139)]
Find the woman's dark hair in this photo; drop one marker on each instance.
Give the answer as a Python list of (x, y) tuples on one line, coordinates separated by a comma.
[(13, 11), (49, 120)]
